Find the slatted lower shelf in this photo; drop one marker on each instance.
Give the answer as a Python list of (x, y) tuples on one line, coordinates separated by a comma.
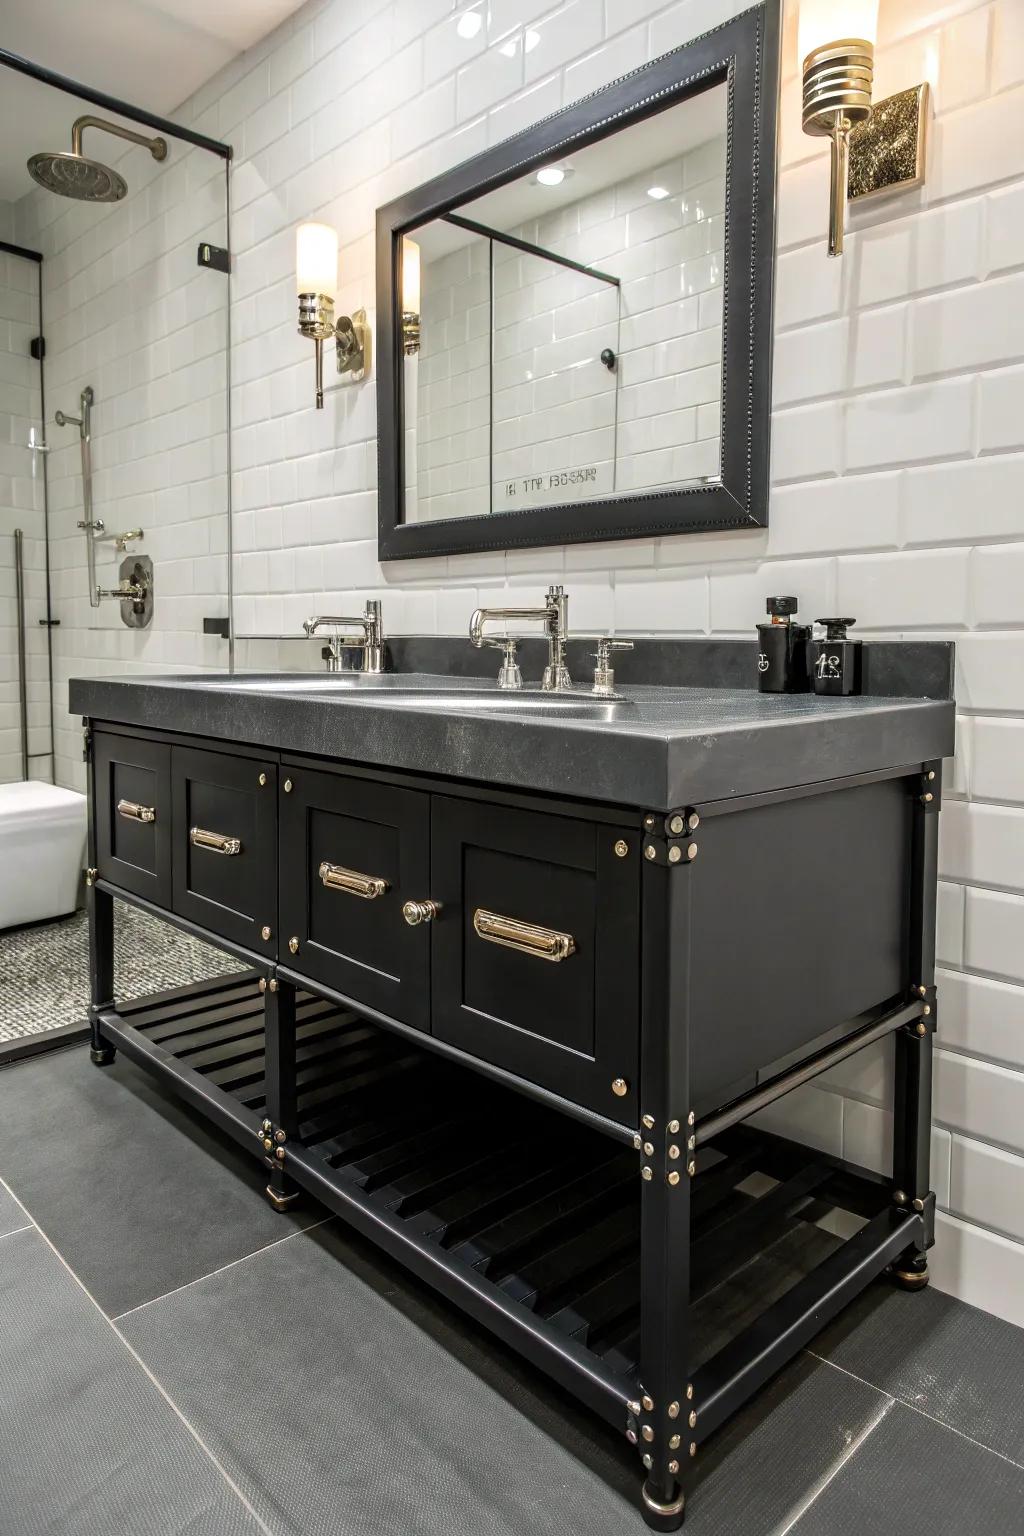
[(529, 1219)]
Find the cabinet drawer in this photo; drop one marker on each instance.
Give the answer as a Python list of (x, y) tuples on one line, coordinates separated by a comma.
[(355, 851), (225, 845), (133, 814), (535, 948)]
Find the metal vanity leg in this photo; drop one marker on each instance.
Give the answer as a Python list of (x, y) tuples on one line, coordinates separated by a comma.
[(99, 906), (281, 1120), (912, 1120), (665, 1414)]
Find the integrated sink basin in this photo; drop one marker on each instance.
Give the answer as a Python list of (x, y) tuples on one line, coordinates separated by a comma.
[(403, 692)]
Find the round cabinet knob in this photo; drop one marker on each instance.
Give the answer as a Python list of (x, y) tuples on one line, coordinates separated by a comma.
[(620, 1087), (416, 912), (293, 945)]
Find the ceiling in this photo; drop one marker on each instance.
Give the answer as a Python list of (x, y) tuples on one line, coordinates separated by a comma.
[(153, 53)]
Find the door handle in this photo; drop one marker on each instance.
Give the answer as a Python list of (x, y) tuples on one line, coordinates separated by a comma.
[(336, 878), (527, 938), (131, 811), (215, 842)]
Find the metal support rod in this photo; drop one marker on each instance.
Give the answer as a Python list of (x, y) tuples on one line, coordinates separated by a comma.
[(19, 604), (840, 141), (761, 1097), (280, 1080)]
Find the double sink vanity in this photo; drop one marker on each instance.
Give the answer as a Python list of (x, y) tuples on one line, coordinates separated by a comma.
[(531, 927)]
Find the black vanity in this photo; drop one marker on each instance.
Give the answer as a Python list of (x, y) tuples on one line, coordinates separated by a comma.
[(509, 1014)]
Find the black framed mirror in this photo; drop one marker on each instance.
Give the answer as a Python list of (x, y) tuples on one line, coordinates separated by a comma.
[(575, 327)]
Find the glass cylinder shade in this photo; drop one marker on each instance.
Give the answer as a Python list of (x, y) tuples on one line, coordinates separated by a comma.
[(832, 21), (410, 276), (316, 260)]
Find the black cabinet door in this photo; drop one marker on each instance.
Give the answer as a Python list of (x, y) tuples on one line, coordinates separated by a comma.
[(133, 814), (225, 845), (351, 853), (535, 948)]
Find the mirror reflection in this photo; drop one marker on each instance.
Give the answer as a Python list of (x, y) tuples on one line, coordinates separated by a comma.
[(563, 334)]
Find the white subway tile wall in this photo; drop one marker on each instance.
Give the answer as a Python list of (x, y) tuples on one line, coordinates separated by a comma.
[(898, 446), (21, 506)]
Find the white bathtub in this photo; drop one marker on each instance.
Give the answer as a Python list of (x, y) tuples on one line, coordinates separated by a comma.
[(42, 851)]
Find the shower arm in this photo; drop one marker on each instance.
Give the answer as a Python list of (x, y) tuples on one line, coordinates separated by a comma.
[(157, 147)]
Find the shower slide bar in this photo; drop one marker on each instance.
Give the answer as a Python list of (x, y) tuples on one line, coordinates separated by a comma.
[(19, 603), (93, 528)]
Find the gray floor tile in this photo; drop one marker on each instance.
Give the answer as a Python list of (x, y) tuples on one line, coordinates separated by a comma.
[(912, 1474), (963, 1366), (344, 1398), (137, 1193), (11, 1214), (90, 1446)]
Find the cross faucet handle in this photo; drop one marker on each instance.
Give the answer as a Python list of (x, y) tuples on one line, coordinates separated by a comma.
[(604, 675)]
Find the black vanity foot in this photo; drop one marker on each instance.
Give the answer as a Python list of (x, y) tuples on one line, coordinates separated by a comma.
[(282, 1202), (910, 1274), (659, 1515), (102, 1055)]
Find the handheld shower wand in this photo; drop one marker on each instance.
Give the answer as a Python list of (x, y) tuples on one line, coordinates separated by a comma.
[(90, 525)]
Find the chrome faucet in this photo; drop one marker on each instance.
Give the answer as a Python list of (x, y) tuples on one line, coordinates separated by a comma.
[(371, 644), (555, 618)]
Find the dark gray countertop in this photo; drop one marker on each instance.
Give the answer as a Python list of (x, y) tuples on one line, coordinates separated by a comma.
[(662, 747)]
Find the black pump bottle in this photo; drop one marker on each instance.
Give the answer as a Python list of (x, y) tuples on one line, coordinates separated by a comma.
[(782, 650)]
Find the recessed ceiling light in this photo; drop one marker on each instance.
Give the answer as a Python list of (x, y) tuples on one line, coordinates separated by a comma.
[(551, 175), (658, 193), (469, 24)]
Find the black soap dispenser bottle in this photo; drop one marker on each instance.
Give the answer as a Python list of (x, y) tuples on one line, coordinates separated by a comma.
[(782, 649), (834, 661)]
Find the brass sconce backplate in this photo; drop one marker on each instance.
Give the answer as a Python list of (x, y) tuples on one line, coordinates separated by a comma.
[(887, 154)]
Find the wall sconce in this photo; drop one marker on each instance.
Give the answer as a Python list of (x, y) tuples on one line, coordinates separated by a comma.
[(875, 149), (410, 296), (316, 275)]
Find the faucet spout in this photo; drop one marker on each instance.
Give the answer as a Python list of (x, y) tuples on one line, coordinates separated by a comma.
[(555, 618), (371, 643)]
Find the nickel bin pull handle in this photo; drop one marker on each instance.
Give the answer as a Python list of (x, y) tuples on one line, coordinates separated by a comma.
[(336, 878), (528, 938), (133, 812), (216, 842)]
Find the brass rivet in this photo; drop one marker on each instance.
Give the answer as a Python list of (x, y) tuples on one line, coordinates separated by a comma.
[(931, 774), (693, 1448), (631, 1436), (676, 825), (647, 1122), (650, 852), (674, 855), (268, 1125), (263, 983), (693, 1419), (674, 1443), (648, 1403), (645, 1173), (673, 1410), (648, 1148), (272, 986), (673, 1466), (693, 821), (638, 1141), (267, 1143), (619, 1085), (265, 931), (926, 1010), (922, 1029), (280, 1153), (923, 991), (287, 786), (293, 945), (648, 1462), (928, 798), (918, 1205), (648, 1433), (691, 852), (621, 848), (689, 1391), (673, 1127), (634, 1408), (280, 1136), (691, 1169), (673, 1151), (673, 1177), (263, 780), (691, 1118), (899, 1198), (649, 821)]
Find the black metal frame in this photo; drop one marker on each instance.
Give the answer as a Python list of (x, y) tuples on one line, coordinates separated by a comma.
[(744, 54)]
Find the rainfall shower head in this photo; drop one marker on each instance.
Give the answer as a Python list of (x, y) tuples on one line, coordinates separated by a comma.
[(73, 175)]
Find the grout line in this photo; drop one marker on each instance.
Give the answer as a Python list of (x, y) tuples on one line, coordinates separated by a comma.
[(834, 1471), (142, 1365), (15, 1230), (922, 1411), (298, 1232)]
